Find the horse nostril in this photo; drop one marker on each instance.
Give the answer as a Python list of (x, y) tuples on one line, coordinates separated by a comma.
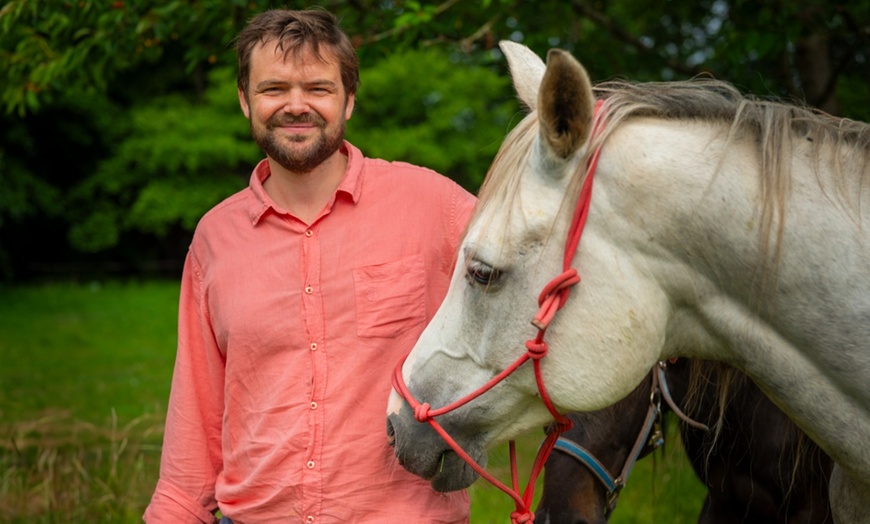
[(391, 434)]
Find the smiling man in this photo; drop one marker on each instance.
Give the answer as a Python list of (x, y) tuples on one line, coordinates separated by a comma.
[(299, 294)]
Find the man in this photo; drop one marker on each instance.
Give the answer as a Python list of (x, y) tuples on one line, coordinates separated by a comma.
[(299, 295)]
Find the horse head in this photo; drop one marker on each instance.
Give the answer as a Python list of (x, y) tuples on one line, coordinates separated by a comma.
[(514, 246)]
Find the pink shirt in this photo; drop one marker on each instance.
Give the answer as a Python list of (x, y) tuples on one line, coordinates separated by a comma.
[(287, 337)]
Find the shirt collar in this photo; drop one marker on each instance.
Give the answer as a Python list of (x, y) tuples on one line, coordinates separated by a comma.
[(351, 182)]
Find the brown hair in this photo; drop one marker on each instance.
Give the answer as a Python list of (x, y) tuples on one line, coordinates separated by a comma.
[(295, 32)]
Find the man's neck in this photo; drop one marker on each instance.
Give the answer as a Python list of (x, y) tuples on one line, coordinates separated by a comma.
[(305, 194)]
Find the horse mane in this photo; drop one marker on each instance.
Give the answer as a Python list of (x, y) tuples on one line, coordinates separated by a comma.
[(774, 125), (728, 383)]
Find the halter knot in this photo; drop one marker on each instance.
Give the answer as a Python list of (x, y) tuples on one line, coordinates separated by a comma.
[(553, 297), (537, 349), (563, 424), (522, 517), (421, 412)]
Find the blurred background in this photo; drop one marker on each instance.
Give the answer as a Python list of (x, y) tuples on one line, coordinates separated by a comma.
[(120, 127)]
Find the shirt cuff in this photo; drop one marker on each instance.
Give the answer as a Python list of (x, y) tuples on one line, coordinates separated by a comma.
[(171, 505)]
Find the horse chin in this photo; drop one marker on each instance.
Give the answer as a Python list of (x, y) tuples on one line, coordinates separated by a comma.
[(421, 450), (454, 473)]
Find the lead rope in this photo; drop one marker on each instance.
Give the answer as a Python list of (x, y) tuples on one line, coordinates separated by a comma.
[(551, 299)]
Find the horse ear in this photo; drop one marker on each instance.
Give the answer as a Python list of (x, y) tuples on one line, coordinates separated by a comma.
[(566, 104), (527, 70)]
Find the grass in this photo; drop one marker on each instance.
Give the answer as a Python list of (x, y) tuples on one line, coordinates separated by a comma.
[(85, 378), (662, 488), (83, 388)]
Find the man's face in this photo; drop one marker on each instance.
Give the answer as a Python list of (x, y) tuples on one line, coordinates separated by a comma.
[(297, 106)]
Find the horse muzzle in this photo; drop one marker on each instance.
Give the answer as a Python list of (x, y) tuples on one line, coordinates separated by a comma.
[(423, 452)]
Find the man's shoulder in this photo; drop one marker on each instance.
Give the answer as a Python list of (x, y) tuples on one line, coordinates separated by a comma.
[(380, 165), (226, 209), (404, 173)]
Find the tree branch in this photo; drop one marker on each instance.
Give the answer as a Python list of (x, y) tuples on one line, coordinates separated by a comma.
[(581, 7)]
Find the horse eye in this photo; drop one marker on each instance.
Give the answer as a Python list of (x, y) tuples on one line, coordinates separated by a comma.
[(482, 275)]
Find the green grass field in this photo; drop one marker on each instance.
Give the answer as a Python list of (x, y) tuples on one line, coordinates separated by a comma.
[(85, 377)]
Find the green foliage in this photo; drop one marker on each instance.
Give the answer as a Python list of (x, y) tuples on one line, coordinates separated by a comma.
[(854, 94), (428, 108), (23, 193), (52, 46), (175, 159), (120, 126)]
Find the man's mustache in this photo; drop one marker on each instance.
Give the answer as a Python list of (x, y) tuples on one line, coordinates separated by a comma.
[(284, 120)]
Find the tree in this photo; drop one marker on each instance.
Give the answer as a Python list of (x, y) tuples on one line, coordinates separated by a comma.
[(429, 108), (120, 128)]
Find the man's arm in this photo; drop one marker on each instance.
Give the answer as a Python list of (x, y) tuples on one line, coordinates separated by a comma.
[(191, 458)]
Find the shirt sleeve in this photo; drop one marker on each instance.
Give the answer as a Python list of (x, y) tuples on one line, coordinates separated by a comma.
[(191, 456)]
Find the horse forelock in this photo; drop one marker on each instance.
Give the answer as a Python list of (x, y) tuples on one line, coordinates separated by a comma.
[(501, 186)]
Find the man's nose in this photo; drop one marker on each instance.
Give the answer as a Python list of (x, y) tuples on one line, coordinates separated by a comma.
[(296, 103)]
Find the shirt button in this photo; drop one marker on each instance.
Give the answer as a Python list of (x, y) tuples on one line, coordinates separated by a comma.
[(314, 405), (313, 346), (310, 464), (308, 233), (309, 519), (309, 289)]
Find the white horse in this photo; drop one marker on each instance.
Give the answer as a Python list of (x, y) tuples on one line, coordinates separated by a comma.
[(720, 227)]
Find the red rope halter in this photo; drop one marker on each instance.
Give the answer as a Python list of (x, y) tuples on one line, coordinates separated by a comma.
[(551, 299)]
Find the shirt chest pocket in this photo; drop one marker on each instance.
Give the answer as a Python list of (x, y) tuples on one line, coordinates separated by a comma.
[(390, 297)]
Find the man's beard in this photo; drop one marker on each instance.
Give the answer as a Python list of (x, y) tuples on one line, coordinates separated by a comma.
[(298, 161)]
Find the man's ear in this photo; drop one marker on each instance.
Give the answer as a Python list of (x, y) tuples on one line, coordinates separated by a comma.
[(243, 101), (348, 110)]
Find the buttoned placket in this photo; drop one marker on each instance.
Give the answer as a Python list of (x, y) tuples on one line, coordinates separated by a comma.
[(314, 325)]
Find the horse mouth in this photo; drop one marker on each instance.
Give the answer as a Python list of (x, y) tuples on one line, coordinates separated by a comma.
[(453, 473), (421, 451)]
